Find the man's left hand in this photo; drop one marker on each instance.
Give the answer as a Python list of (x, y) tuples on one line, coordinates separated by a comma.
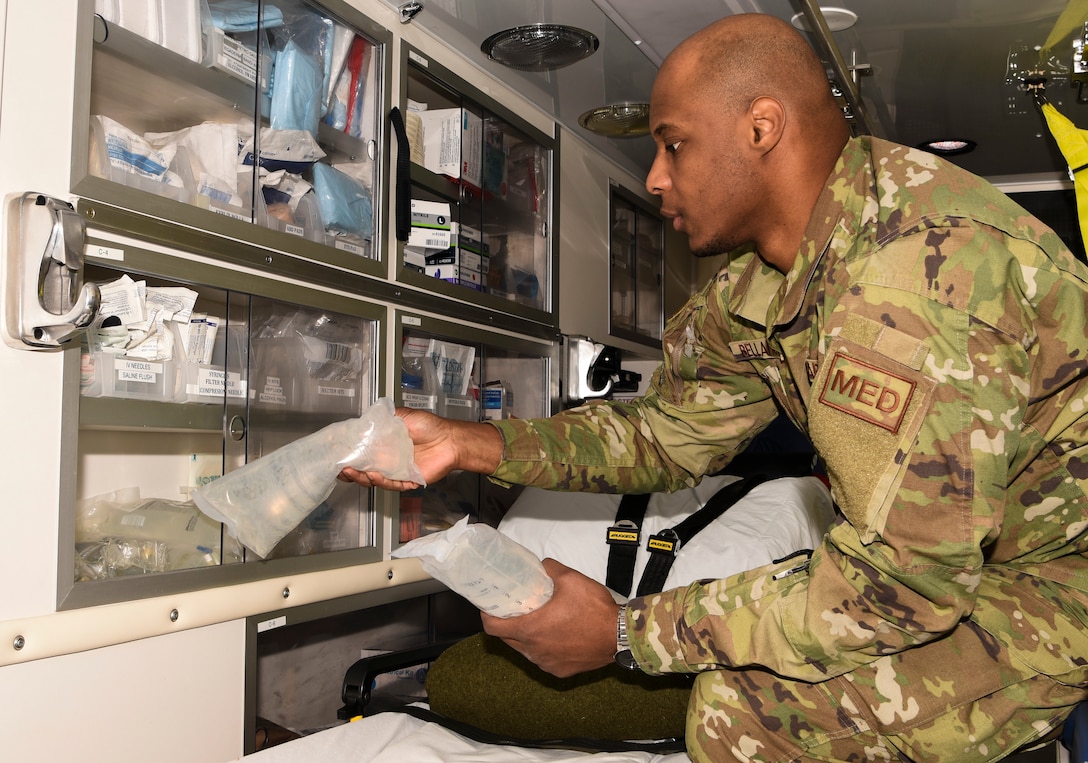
[(573, 633)]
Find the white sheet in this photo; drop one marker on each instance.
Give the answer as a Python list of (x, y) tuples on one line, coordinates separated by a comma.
[(774, 520), (400, 738)]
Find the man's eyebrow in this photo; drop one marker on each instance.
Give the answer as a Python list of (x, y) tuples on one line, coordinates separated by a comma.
[(661, 128)]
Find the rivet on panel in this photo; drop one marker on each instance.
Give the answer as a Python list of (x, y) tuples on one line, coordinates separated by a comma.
[(174, 615), (18, 643), (286, 592)]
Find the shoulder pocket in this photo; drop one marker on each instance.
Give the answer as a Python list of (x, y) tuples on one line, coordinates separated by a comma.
[(869, 399)]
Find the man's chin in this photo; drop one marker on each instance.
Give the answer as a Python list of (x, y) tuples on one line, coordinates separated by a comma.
[(711, 250), (706, 252), (715, 247)]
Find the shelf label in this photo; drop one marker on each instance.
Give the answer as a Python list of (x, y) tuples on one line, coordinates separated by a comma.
[(335, 391), (229, 213), (349, 247), (275, 622), (413, 56), (104, 252), (137, 371), (411, 320), (211, 382), (420, 401)]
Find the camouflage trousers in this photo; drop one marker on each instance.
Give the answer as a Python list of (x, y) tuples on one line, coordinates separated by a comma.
[(961, 698)]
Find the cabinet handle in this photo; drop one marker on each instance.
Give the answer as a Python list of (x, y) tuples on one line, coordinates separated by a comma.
[(403, 210), (236, 428)]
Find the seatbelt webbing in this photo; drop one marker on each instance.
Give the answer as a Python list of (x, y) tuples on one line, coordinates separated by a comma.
[(621, 553), (665, 545), (663, 552)]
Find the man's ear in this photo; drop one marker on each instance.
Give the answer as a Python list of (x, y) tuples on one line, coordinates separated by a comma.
[(767, 119)]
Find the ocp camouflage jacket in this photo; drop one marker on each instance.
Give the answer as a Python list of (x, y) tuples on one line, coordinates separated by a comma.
[(931, 339)]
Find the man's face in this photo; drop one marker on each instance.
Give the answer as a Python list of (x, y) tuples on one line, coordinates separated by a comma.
[(706, 181)]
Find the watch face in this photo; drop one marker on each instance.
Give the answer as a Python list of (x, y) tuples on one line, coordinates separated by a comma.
[(625, 659)]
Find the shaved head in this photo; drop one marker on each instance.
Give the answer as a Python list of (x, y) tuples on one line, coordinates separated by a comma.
[(740, 58), (747, 132)]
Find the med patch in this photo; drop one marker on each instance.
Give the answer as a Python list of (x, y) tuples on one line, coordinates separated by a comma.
[(867, 392)]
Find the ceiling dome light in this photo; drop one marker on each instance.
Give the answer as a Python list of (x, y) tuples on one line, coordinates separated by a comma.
[(837, 19), (948, 146), (618, 120), (540, 47)]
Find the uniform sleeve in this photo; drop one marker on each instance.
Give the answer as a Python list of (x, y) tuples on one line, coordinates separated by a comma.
[(916, 410), (703, 405)]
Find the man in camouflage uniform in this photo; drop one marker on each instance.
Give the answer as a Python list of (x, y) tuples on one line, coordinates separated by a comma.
[(929, 335)]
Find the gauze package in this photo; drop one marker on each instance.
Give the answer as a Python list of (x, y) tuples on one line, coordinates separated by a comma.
[(291, 150), (496, 573), (125, 150), (212, 151), (265, 499)]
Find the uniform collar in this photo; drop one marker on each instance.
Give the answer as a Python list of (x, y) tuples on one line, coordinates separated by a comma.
[(768, 298)]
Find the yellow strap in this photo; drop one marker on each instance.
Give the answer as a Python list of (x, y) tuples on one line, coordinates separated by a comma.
[(1070, 20), (1073, 143)]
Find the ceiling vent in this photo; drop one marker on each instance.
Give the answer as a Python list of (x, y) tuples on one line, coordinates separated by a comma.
[(540, 47), (618, 120)]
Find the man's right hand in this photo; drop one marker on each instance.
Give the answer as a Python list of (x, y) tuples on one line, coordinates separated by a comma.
[(441, 446)]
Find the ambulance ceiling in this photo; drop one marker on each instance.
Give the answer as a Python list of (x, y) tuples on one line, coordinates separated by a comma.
[(936, 68)]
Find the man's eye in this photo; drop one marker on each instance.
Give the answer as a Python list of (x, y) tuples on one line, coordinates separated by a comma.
[(671, 147)]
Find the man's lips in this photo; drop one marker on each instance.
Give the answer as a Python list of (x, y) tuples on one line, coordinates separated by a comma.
[(676, 217)]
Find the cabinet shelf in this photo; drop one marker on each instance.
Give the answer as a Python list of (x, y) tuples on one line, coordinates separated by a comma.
[(119, 414), (185, 91), (191, 92)]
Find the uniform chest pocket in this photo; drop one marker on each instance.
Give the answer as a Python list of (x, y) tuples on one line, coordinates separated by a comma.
[(864, 415)]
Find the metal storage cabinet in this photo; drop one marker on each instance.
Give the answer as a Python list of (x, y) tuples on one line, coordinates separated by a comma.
[(141, 426)]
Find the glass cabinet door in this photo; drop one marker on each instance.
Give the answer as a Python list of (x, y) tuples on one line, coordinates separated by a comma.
[(310, 367), (636, 253), (266, 113), (475, 375), (181, 382), (154, 383), (489, 177)]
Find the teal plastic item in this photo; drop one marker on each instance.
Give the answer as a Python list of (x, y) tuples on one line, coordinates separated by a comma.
[(343, 202)]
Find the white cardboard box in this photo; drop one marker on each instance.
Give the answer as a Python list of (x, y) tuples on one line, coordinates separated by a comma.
[(431, 228), (453, 143)]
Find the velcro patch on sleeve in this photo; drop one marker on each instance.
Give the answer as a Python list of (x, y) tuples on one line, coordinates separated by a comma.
[(866, 392), (866, 410)]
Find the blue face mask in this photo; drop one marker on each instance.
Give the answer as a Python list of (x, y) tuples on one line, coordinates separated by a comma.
[(242, 16), (344, 203), (297, 90)]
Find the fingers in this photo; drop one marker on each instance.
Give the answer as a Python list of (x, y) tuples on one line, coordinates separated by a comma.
[(374, 479)]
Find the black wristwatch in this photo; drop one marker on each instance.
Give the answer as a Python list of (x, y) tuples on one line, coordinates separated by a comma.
[(623, 656)]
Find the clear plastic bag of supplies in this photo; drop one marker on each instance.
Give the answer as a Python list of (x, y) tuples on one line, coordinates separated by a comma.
[(265, 499), (121, 533), (496, 573)]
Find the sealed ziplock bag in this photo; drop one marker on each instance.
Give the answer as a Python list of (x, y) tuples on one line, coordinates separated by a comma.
[(265, 499), (496, 573)]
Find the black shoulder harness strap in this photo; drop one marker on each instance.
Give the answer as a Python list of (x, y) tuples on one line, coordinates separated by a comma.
[(664, 545), (623, 541)]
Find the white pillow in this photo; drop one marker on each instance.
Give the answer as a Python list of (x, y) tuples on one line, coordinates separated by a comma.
[(772, 521)]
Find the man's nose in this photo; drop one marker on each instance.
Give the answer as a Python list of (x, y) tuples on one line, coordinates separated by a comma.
[(657, 180)]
